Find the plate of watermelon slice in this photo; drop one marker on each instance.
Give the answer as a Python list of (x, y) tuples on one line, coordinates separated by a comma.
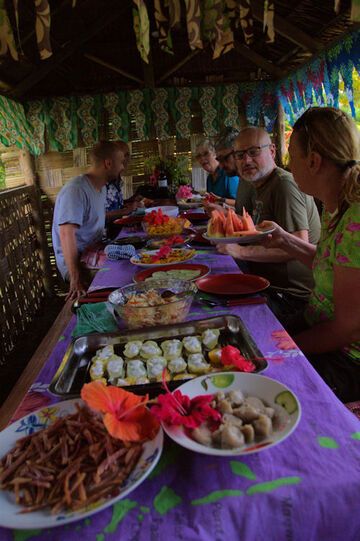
[(231, 228)]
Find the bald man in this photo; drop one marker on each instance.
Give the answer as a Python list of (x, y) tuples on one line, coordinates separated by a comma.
[(278, 199)]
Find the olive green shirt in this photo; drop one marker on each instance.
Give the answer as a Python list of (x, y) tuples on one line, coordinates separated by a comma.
[(280, 200)]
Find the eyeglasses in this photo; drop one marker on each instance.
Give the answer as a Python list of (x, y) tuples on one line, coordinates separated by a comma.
[(252, 152), (226, 157), (202, 154)]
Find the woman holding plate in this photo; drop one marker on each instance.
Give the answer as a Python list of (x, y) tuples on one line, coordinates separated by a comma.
[(325, 161)]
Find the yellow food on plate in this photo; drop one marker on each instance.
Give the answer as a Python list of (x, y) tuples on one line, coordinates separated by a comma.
[(174, 256)]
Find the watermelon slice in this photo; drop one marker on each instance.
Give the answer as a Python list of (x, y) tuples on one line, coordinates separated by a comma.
[(248, 224)]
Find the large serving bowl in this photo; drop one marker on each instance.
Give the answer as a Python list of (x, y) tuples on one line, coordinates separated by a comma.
[(175, 226), (150, 303)]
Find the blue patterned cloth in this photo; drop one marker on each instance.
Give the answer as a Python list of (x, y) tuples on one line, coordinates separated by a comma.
[(114, 195), (114, 252)]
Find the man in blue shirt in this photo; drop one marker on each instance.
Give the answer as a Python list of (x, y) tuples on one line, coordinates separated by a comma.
[(79, 214), (218, 182)]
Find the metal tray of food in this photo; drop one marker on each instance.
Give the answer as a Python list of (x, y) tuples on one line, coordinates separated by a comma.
[(74, 370)]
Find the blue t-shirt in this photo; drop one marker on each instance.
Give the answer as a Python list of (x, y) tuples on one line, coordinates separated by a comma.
[(223, 186), (78, 202)]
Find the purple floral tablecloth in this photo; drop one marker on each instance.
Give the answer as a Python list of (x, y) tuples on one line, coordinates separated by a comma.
[(305, 489)]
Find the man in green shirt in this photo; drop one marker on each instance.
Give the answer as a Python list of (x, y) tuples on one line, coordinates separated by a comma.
[(277, 199)]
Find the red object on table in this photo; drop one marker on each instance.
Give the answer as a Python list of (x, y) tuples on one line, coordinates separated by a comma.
[(232, 284)]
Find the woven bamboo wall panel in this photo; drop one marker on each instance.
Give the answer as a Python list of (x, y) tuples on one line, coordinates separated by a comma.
[(21, 284)]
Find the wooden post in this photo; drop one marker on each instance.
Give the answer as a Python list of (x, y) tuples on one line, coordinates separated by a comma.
[(27, 167), (279, 135)]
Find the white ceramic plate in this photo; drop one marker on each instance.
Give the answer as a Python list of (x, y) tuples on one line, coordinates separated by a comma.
[(135, 260), (9, 514), (262, 387), (243, 239)]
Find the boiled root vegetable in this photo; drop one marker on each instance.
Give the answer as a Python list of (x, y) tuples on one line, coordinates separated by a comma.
[(230, 225)]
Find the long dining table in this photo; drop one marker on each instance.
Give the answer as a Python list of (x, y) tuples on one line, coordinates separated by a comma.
[(306, 488)]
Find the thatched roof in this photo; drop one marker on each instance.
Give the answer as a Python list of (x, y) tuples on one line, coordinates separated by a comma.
[(94, 48)]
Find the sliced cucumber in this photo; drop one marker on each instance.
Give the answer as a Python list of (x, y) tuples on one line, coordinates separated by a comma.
[(287, 400)]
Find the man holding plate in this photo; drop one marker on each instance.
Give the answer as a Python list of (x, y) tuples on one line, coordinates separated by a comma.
[(277, 199)]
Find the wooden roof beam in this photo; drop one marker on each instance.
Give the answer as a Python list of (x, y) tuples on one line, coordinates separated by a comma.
[(109, 15), (259, 60), (113, 68), (178, 65), (287, 29)]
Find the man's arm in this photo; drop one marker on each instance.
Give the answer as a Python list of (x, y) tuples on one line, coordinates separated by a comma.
[(71, 257), (260, 254)]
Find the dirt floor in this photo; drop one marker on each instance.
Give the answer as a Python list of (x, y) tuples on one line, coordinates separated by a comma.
[(17, 360)]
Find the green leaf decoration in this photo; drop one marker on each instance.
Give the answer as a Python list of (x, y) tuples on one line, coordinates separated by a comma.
[(216, 496), (355, 436), (222, 381), (119, 511), (328, 443), (242, 469), (273, 485), (166, 500)]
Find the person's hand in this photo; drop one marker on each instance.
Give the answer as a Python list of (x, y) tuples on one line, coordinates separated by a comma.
[(274, 239), (229, 249), (76, 290), (209, 207)]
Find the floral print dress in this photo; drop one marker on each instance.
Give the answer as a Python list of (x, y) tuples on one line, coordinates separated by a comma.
[(341, 246)]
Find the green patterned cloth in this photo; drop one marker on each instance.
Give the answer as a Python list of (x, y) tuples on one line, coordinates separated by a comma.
[(340, 247), (94, 318)]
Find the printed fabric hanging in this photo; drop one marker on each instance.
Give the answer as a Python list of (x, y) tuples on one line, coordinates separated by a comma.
[(163, 27), (42, 27), (61, 123), (15, 129), (193, 22), (246, 21), (159, 106), (142, 29), (7, 42), (88, 111), (224, 37), (114, 104), (269, 12)]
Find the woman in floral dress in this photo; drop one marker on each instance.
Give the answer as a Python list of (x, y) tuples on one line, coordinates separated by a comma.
[(325, 161)]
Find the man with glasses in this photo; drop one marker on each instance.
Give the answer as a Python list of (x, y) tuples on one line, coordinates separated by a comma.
[(224, 146), (277, 199), (218, 183)]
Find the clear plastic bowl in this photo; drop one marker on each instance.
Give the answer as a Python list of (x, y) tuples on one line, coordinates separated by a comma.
[(137, 316)]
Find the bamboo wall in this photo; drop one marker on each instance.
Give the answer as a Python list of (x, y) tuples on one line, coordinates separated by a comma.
[(21, 275)]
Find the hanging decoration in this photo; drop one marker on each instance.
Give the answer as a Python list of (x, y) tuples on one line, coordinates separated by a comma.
[(62, 123), (210, 108), (114, 104), (246, 21), (163, 27), (35, 115), (174, 13), (182, 111), (88, 112), (318, 82), (135, 109), (42, 27), (193, 22), (15, 128), (230, 104), (355, 11), (224, 37), (268, 27), (7, 42), (159, 106), (142, 29)]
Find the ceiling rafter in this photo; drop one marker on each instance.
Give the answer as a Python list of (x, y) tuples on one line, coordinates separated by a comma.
[(287, 29), (108, 16), (111, 67), (258, 60), (179, 65)]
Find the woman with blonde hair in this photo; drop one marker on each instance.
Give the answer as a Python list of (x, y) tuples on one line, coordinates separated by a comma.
[(325, 162)]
